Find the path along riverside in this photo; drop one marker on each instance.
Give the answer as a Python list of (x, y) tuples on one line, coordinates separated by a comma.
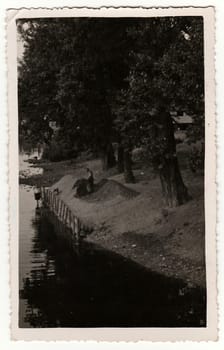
[(63, 213)]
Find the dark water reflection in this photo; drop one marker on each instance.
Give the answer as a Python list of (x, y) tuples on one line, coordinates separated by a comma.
[(64, 287)]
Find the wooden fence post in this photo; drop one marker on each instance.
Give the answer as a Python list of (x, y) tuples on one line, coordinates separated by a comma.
[(77, 228), (62, 212), (48, 192), (56, 201), (51, 200), (58, 207), (66, 216), (69, 218)]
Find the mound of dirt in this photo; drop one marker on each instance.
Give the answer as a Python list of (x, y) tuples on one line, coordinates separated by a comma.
[(108, 189)]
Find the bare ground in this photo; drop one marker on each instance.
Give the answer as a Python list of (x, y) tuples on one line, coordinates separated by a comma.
[(131, 219)]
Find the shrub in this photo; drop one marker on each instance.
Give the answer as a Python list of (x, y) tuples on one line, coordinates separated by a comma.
[(58, 150), (139, 154), (196, 158)]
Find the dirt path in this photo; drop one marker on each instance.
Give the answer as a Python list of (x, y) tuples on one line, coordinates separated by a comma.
[(131, 220)]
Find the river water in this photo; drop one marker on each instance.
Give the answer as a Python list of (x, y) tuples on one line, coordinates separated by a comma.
[(63, 286)]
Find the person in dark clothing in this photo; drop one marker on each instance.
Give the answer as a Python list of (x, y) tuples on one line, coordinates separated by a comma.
[(90, 180), (37, 195)]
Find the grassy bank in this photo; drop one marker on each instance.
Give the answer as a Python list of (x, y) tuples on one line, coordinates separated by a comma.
[(131, 219)]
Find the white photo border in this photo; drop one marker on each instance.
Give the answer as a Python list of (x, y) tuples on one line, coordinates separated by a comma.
[(118, 334)]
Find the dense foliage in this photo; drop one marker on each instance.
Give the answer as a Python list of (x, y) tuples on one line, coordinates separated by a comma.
[(111, 80)]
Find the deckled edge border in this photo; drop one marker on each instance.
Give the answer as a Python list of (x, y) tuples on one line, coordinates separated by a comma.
[(16, 332)]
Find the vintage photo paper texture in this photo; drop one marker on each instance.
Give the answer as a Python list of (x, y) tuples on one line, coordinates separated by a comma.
[(112, 166)]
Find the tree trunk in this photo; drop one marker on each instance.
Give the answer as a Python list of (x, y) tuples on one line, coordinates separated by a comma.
[(108, 158), (174, 191), (128, 174), (120, 159)]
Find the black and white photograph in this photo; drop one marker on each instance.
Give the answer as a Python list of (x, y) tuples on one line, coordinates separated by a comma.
[(111, 178)]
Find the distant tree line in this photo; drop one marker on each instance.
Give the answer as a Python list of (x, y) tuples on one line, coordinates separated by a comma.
[(106, 80)]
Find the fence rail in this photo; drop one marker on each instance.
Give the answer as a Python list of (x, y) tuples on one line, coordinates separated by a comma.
[(63, 212)]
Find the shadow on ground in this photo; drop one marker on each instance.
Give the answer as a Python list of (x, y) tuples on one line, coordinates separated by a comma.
[(92, 287)]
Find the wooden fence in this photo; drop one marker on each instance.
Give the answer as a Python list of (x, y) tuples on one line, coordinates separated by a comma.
[(56, 205)]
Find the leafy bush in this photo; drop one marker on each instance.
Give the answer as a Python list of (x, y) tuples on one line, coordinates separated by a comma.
[(139, 154), (58, 150), (196, 158)]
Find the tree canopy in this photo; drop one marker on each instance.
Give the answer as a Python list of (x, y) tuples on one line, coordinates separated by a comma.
[(107, 80), (77, 71)]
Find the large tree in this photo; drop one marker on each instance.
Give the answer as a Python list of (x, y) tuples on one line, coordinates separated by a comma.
[(37, 76), (166, 73), (107, 79), (70, 72)]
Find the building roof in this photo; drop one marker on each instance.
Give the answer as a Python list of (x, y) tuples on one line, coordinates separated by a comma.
[(183, 119)]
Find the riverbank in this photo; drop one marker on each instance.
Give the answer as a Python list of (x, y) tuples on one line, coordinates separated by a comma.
[(131, 219)]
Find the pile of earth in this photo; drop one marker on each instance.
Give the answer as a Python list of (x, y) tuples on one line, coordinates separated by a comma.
[(108, 189)]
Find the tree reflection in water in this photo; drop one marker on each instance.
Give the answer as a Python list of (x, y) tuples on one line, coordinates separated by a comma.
[(97, 288)]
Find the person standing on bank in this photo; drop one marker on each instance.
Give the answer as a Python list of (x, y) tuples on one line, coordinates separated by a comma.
[(90, 180), (37, 195)]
